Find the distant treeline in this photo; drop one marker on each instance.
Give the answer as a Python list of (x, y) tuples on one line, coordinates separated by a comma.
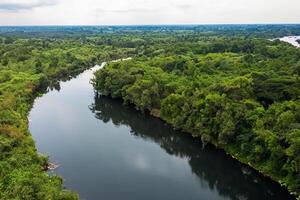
[(247, 30)]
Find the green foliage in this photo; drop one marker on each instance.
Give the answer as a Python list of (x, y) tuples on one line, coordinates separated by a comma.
[(224, 84), (241, 95)]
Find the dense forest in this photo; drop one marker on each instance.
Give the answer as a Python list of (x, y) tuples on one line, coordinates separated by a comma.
[(227, 85), (240, 94)]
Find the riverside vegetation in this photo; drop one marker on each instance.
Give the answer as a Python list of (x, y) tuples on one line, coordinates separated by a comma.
[(240, 94), (27, 68), (226, 84)]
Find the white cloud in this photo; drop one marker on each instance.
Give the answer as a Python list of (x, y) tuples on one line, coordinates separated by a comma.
[(103, 12)]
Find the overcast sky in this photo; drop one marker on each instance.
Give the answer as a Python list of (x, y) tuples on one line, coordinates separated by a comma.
[(129, 12)]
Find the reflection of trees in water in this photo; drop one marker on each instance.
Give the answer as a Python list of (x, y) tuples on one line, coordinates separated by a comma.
[(213, 167), (54, 84)]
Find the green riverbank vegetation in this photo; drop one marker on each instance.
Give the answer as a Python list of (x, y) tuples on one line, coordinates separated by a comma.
[(27, 68), (242, 95)]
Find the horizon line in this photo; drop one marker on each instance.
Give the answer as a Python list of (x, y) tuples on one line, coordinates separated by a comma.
[(166, 24)]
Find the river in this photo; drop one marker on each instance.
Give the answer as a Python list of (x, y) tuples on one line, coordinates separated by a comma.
[(110, 151), (292, 40)]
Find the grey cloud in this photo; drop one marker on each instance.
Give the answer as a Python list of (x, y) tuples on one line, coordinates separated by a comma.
[(26, 6)]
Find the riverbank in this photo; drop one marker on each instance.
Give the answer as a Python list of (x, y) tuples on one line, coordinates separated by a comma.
[(121, 153), (224, 113), (21, 164), (23, 78), (230, 151)]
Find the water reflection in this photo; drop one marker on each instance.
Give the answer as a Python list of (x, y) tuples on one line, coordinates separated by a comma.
[(212, 167)]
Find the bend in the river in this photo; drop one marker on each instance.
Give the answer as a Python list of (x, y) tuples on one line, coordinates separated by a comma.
[(109, 151)]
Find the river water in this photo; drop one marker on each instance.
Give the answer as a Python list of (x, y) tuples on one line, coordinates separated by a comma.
[(109, 151), (292, 40)]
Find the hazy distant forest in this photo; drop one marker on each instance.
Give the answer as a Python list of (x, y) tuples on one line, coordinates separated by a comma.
[(228, 85)]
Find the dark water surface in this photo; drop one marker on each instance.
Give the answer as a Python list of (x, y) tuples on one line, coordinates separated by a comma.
[(112, 152)]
